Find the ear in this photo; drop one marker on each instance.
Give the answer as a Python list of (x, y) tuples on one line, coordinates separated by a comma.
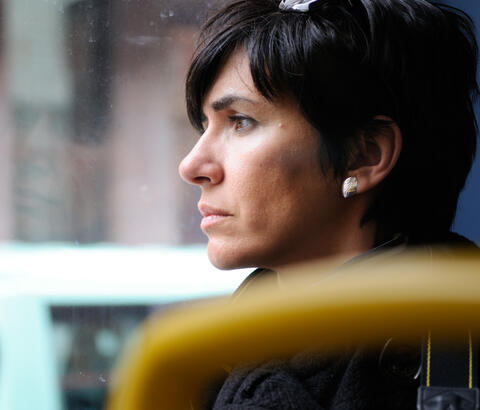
[(376, 153)]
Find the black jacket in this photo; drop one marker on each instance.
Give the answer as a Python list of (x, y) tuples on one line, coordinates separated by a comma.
[(360, 379)]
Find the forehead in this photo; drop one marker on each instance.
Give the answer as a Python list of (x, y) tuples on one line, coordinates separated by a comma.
[(234, 78), (234, 82)]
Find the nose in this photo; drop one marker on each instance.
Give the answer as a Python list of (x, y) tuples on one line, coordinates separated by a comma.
[(202, 165)]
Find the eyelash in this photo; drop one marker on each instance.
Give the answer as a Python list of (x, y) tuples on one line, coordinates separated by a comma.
[(238, 119), (235, 119)]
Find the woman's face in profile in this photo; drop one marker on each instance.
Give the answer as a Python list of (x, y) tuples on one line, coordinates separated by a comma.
[(265, 201)]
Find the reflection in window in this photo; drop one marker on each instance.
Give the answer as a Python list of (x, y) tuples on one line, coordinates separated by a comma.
[(94, 121)]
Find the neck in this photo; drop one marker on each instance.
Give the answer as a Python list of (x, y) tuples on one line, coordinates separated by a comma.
[(347, 244)]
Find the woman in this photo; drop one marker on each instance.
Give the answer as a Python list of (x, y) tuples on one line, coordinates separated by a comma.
[(328, 128)]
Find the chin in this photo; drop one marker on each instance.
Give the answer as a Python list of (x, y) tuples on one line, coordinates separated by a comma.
[(226, 258)]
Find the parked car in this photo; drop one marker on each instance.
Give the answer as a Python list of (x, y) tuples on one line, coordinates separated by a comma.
[(67, 312)]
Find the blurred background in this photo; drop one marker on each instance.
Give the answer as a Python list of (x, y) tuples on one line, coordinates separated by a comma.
[(93, 123), (92, 128), (467, 221)]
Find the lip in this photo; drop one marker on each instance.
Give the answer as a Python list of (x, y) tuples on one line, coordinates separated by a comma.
[(211, 215)]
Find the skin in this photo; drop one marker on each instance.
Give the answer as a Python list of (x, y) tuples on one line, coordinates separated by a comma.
[(264, 198)]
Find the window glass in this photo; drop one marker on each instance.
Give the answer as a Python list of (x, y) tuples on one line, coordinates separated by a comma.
[(87, 342), (93, 121), (93, 126)]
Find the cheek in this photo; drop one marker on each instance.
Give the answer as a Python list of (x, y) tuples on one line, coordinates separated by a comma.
[(274, 184)]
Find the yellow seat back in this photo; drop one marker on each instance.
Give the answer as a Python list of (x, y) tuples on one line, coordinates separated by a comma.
[(368, 302)]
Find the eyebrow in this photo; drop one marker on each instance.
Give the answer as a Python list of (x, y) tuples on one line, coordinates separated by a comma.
[(228, 100)]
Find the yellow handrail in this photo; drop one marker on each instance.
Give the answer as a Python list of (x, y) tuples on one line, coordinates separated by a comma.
[(369, 302)]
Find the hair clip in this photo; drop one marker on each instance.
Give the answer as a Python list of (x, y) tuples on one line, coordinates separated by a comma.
[(301, 5), (297, 5)]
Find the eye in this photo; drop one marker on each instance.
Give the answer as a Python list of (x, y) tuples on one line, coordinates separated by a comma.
[(242, 122)]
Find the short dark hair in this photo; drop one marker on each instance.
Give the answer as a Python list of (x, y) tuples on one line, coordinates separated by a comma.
[(352, 60)]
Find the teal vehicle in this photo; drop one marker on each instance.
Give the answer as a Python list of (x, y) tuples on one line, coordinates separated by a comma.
[(66, 313)]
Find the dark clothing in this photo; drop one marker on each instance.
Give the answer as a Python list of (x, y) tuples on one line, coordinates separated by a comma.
[(362, 379), (306, 382)]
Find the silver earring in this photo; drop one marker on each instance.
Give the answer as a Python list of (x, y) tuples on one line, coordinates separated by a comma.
[(349, 187)]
